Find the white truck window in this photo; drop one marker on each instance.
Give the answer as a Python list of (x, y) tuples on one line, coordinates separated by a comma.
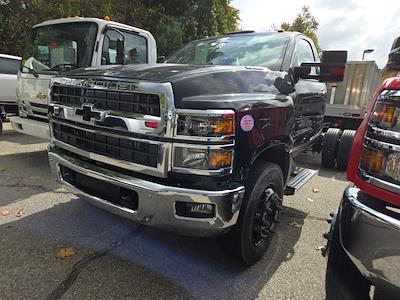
[(9, 66), (60, 47), (135, 51)]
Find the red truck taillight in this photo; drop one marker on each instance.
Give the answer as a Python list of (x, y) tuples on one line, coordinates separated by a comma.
[(374, 164)]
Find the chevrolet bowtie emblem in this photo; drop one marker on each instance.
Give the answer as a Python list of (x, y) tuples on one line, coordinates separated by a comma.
[(87, 113), (41, 96)]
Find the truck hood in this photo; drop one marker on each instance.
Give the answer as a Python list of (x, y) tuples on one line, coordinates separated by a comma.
[(195, 85)]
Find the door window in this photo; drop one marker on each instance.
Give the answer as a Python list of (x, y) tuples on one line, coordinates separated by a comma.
[(135, 51), (9, 66), (304, 54)]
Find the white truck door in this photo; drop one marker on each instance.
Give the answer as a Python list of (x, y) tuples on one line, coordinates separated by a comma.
[(8, 79)]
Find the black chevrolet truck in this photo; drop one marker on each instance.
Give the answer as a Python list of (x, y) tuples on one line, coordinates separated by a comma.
[(202, 144)]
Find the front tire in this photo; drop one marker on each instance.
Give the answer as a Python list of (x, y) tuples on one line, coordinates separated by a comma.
[(343, 280), (251, 236)]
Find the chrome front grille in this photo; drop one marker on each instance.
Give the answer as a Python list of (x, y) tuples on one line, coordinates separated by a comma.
[(39, 110), (106, 120), (110, 99)]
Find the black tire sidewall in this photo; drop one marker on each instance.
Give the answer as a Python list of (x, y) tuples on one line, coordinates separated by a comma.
[(264, 175), (344, 149), (329, 147)]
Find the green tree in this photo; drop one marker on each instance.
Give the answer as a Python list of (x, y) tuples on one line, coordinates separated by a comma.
[(172, 22), (305, 23)]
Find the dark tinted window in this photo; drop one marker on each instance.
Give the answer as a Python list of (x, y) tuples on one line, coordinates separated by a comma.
[(9, 66), (265, 50)]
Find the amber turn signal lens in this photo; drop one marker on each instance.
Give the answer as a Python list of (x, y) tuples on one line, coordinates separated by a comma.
[(222, 126), (220, 159), (384, 113), (371, 160)]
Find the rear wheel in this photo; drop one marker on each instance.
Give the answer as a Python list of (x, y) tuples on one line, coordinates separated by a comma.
[(343, 280), (329, 147), (346, 141), (251, 236)]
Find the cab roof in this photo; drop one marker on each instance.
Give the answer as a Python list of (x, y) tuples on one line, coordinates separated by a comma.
[(100, 22)]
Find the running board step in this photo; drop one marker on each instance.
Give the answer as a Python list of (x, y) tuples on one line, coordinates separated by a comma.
[(299, 180)]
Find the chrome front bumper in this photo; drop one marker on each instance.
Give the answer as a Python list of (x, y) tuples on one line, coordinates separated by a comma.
[(370, 234), (156, 201)]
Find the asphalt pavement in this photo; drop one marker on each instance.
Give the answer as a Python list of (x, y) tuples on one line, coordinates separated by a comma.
[(117, 259)]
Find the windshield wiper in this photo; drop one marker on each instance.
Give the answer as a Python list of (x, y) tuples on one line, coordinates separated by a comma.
[(32, 71)]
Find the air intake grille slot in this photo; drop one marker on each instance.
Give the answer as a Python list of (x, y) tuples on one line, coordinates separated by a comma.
[(119, 148), (131, 102)]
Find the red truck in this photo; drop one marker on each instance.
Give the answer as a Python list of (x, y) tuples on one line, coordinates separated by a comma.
[(364, 240)]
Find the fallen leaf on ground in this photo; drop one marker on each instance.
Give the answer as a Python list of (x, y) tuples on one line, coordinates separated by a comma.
[(295, 224), (34, 177), (66, 252), (19, 213), (309, 199), (319, 248), (315, 190), (21, 189), (5, 212), (2, 169)]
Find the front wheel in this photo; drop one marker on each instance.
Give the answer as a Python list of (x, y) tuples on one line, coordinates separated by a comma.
[(251, 236)]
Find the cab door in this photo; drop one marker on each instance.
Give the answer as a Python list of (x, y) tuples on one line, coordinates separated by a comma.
[(309, 99)]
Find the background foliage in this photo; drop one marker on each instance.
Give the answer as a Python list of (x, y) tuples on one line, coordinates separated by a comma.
[(305, 23), (172, 22)]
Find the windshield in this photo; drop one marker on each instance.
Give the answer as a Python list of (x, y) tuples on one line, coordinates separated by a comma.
[(265, 50), (60, 48)]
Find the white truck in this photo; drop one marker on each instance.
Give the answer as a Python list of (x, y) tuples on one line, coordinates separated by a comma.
[(9, 66), (59, 46)]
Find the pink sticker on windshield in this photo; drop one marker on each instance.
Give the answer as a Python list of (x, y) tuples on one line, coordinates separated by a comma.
[(247, 123)]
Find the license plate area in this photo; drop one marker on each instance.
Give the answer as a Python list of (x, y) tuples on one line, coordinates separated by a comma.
[(101, 189)]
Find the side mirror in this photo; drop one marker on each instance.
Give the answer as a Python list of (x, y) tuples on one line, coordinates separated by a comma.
[(394, 56), (161, 59), (120, 57), (332, 66)]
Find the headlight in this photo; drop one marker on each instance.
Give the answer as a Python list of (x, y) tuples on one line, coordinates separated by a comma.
[(206, 125), (202, 159)]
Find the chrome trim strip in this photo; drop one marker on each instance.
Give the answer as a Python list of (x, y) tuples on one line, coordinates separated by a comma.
[(352, 196), (380, 183), (385, 132), (382, 145)]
